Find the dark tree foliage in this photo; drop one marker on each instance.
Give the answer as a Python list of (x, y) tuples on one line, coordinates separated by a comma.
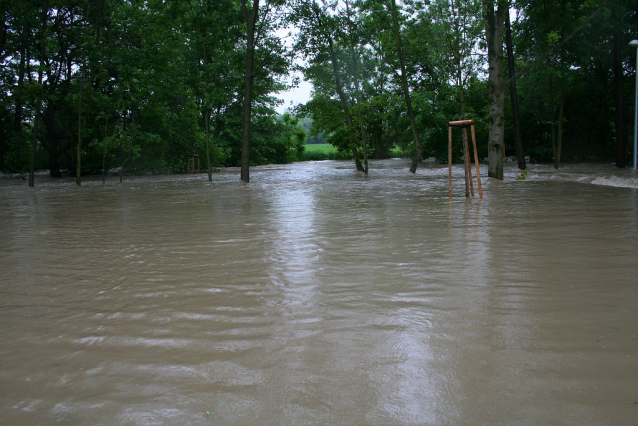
[(91, 86)]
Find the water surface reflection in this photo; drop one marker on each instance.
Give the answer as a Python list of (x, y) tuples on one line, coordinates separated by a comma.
[(315, 295)]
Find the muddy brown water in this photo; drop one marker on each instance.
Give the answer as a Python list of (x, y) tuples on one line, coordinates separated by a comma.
[(315, 295)]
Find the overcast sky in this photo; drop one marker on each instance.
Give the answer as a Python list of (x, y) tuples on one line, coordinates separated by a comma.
[(293, 97)]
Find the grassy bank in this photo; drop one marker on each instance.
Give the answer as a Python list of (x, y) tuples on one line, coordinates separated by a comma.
[(323, 151)]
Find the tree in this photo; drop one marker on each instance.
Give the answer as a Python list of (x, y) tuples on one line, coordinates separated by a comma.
[(320, 41), (495, 12), (518, 142)]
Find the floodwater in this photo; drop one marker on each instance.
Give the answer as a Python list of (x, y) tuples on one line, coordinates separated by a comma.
[(315, 295)]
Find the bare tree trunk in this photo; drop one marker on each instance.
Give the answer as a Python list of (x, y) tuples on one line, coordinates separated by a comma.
[(124, 163), (34, 143), (518, 142), (206, 125), (552, 121), (363, 130), (494, 22), (621, 147), (251, 20), (105, 152), (78, 170), (561, 115), (36, 119), (406, 91)]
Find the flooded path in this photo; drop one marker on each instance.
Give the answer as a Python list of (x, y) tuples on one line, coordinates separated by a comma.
[(315, 295)]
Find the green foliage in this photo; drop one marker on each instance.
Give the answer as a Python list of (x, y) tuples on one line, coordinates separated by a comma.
[(522, 175), (156, 81)]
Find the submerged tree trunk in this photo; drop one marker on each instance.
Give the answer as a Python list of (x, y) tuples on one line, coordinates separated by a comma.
[(406, 90), (251, 20), (495, 13), (518, 142)]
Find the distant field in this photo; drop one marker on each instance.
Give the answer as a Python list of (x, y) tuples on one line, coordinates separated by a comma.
[(320, 147), (325, 151)]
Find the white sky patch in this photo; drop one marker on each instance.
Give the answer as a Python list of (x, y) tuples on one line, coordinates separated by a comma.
[(297, 95), (294, 97)]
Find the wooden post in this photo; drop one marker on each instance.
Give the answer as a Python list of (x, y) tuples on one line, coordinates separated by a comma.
[(468, 161), (478, 172), (465, 157), (469, 185), (450, 161)]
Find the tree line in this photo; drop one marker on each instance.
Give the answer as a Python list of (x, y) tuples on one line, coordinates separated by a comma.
[(137, 85)]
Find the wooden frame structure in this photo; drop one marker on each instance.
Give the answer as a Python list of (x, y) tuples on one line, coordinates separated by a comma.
[(469, 186), (191, 163)]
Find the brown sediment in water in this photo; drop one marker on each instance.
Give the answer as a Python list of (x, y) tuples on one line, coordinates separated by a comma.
[(316, 295)]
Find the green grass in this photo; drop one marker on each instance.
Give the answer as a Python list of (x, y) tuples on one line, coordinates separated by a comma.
[(320, 147), (323, 151)]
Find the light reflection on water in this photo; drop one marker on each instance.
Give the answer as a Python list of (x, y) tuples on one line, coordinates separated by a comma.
[(315, 295)]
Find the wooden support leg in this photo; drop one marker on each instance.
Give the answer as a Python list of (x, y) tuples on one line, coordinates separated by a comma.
[(476, 161), (465, 157), (449, 156), (468, 160)]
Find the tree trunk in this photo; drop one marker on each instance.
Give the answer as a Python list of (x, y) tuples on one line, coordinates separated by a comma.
[(78, 170), (355, 62), (552, 121), (561, 115), (124, 164), (518, 142), (251, 20), (38, 100), (3, 151), (494, 22), (406, 91), (363, 131), (621, 147), (206, 125), (106, 126), (34, 144)]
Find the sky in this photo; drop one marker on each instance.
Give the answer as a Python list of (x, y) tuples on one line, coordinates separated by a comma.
[(293, 97), (301, 94)]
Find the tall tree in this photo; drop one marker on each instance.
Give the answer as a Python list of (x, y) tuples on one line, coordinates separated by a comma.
[(252, 17), (37, 105), (404, 84), (319, 42), (495, 12), (518, 141)]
